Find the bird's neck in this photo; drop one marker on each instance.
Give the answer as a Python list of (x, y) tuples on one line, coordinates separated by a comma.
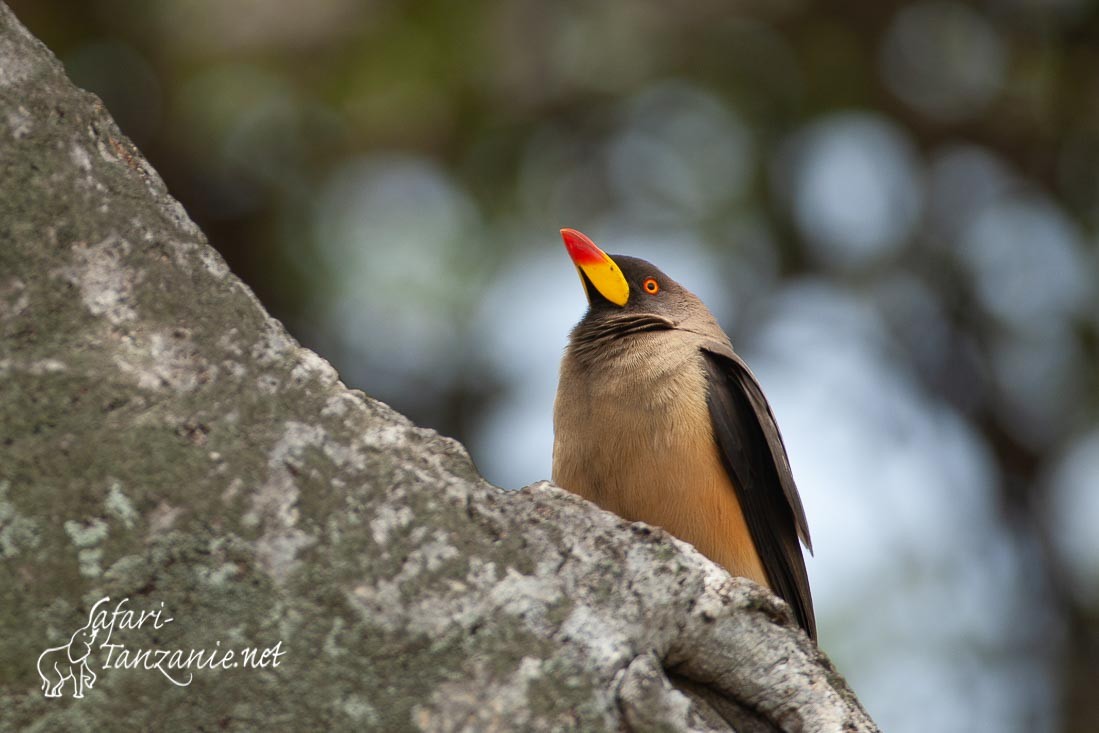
[(638, 362)]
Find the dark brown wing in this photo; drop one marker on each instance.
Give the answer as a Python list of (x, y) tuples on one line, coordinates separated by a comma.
[(753, 453)]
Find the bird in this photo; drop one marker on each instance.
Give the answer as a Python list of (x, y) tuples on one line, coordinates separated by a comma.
[(658, 420)]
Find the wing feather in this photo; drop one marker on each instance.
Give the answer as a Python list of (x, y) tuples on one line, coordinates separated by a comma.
[(754, 455)]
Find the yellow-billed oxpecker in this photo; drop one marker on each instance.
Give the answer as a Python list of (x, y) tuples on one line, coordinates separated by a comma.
[(658, 420)]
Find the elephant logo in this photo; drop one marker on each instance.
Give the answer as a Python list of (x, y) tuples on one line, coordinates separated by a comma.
[(60, 664)]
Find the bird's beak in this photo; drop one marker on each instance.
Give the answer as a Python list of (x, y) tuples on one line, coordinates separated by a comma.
[(597, 267)]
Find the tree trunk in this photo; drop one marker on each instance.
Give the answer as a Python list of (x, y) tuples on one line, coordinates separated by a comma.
[(165, 444)]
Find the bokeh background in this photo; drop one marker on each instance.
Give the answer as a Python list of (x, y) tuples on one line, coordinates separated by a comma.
[(892, 208)]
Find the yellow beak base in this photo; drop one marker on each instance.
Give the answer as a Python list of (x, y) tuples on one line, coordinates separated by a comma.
[(597, 266)]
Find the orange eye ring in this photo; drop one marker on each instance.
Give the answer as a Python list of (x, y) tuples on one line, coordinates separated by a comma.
[(651, 286)]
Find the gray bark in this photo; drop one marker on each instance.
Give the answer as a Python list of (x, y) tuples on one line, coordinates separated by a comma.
[(163, 440)]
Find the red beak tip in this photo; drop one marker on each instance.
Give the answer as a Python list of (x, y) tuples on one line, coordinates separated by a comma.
[(581, 249)]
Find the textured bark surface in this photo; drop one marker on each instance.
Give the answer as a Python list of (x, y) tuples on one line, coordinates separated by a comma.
[(163, 440)]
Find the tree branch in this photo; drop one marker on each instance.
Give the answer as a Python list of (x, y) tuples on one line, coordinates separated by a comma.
[(164, 441)]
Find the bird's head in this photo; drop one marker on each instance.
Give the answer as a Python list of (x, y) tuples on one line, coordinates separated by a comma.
[(618, 286)]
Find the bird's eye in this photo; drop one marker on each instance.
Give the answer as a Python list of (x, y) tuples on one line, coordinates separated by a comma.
[(652, 287)]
